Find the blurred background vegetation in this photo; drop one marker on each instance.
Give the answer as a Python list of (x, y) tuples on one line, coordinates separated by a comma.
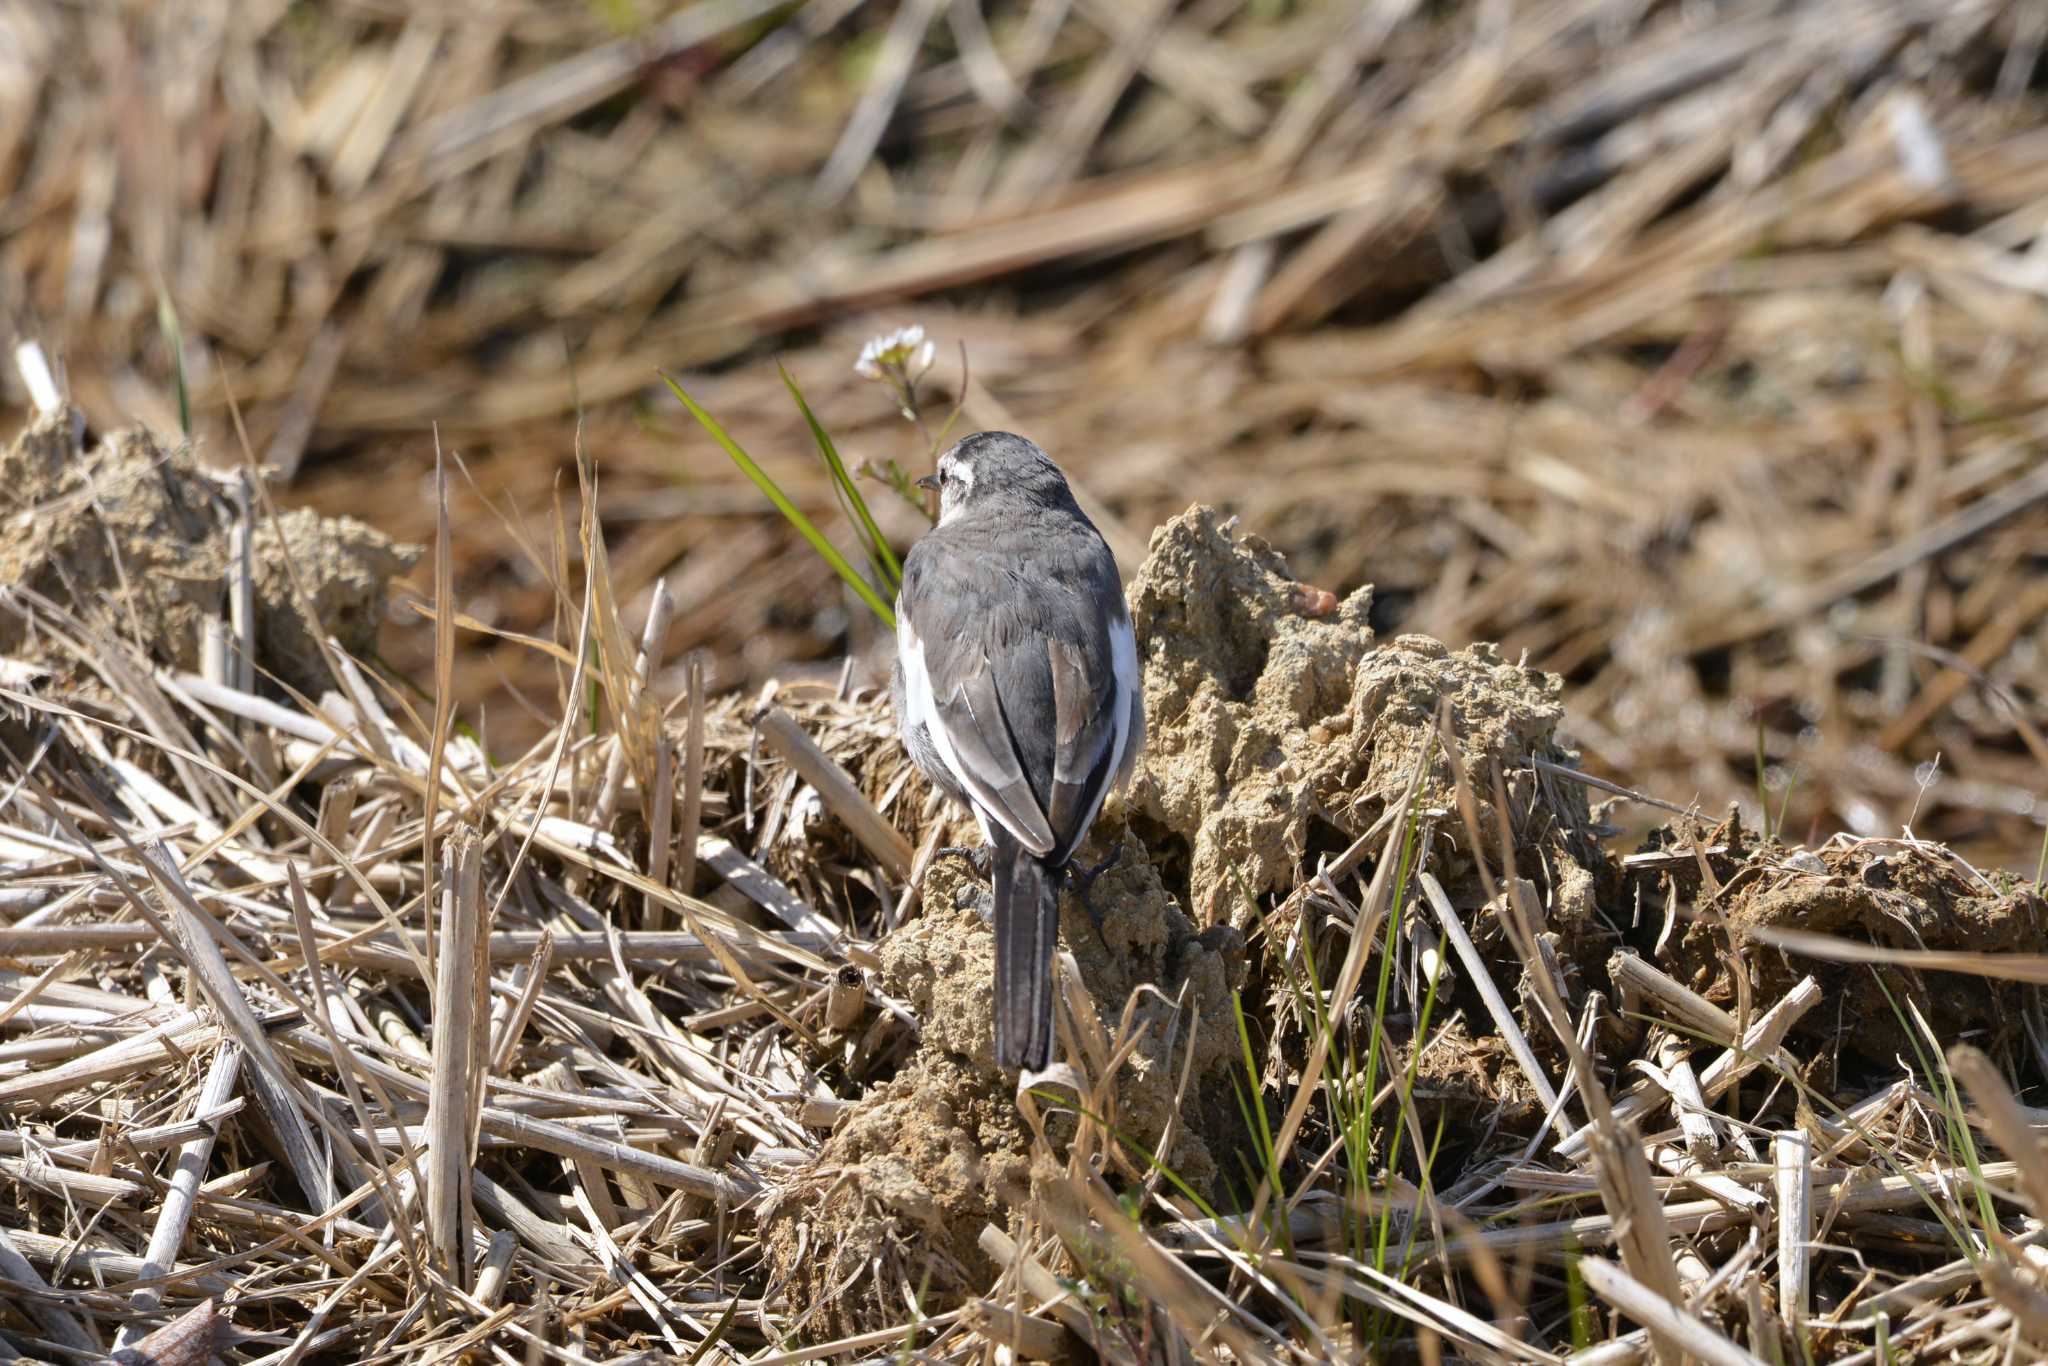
[(1688, 348)]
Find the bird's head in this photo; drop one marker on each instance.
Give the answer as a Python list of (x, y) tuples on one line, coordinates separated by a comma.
[(990, 469)]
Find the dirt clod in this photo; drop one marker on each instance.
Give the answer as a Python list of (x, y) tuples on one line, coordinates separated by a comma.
[(1271, 727), (898, 1197), (1893, 893), (135, 539), (1235, 679)]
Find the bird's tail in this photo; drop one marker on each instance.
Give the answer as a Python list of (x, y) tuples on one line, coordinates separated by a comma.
[(1027, 928)]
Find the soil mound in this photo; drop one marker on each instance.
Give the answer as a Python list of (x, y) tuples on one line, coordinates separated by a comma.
[(1278, 732), (136, 540), (1893, 893), (1284, 736)]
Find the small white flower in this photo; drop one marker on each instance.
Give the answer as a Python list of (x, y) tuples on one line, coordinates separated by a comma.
[(898, 360), (894, 351)]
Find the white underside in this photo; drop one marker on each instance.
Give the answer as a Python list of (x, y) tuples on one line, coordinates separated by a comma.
[(917, 696)]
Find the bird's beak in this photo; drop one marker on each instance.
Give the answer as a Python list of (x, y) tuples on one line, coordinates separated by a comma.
[(929, 481)]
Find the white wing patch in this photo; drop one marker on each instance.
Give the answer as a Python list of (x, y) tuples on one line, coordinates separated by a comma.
[(917, 697), (1130, 685), (1123, 661)]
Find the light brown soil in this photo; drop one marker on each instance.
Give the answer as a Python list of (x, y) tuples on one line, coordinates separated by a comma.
[(898, 1196), (1885, 892), (134, 539), (1278, 731), (923, 1162)]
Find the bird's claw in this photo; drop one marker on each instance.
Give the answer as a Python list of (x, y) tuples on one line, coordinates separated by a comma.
[(1084, 887), (980, 858)]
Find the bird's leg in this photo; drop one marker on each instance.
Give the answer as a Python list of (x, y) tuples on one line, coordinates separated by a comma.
[(1084, 885), (980, 858), (1089, 875)]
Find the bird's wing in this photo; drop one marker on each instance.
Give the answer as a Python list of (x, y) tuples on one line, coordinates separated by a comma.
[(963, 714), (1086, 709), (1099, 711), (1028, 686), (977, 729)]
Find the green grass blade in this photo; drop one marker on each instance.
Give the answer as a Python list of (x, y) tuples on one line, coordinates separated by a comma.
[(1152, 1160), (174, 338), (794, 515), (1935, 1068), (1777, 827), (1254, 1103), (886, 566), (1388, 950), (1577, 1300)]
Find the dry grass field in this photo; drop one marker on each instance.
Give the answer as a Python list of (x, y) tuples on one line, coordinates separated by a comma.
[(1578, 470)]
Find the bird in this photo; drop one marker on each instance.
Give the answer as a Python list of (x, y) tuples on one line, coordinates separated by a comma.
[(1018, 694)]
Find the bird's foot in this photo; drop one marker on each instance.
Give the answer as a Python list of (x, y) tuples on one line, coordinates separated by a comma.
[(1084, 887), (980, 858)]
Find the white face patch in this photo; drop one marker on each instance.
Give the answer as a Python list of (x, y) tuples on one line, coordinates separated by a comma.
[(956, 481)]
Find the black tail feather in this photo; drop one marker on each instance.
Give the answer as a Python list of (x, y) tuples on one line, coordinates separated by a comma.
[(1027, 928)]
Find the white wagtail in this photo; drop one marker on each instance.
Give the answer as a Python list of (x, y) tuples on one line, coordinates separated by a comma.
[(1017, 693)]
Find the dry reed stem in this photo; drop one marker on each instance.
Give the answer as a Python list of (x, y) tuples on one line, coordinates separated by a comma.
[(838, 791), (460, 1042), (1792, 1150)]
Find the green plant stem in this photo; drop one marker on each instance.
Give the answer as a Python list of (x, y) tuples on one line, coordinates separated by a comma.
[(789, 510), (886, 564)]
